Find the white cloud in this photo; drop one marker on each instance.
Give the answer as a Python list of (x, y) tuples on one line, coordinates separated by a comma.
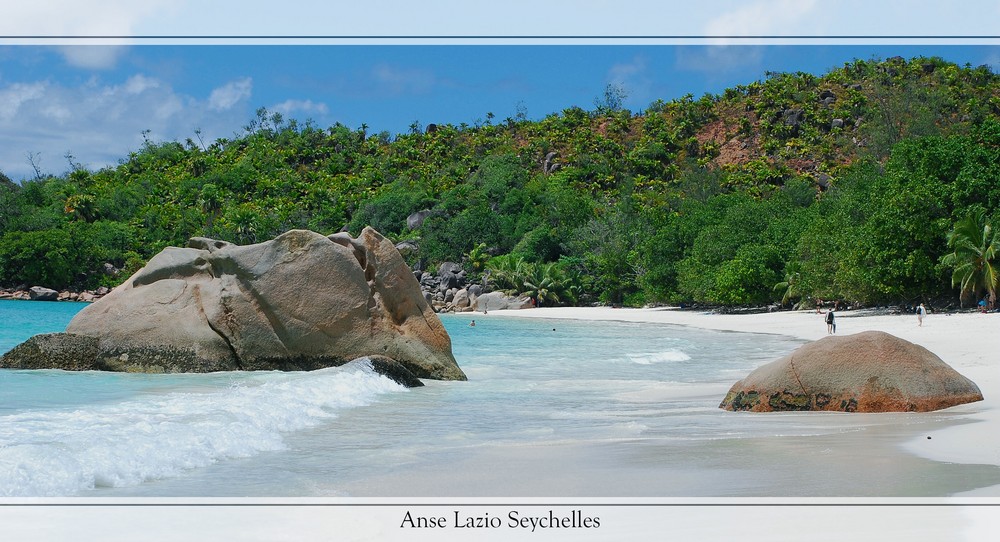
[(100, 122), (137, 84), (289, 107), (101, 119), (633, 77), (719, 59), (56, 112), (16, 95), (230, 94), (64, 19), (94, 57), (622, 72), (171, 105), (394, 80)]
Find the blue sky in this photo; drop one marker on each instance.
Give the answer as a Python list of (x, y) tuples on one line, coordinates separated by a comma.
[(72, 94)]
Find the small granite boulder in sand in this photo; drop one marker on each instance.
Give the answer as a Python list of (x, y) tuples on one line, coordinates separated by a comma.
[(866, 372), (300, 301)]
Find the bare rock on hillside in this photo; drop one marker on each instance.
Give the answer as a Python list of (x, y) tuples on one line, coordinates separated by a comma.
[(416, 220), (866, 372)]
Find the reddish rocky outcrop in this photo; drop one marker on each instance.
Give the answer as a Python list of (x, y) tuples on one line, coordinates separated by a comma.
[(866, 372)]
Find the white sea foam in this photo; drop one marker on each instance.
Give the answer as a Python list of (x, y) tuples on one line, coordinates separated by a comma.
[(666, 356), (628, 429), (62, 452)]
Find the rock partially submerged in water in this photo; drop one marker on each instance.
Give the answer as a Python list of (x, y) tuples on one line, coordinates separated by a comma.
[(301, 301), (866, 372)]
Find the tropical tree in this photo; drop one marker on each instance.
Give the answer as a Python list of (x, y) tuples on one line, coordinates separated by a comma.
[(210, 202), (789, 287), (973, 259), (507, 272), (38, 258), (81, 207), (242, 224), (548, 284), (478, 258)]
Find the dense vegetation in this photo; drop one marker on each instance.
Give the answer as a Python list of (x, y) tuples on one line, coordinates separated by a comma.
[(856, 186)]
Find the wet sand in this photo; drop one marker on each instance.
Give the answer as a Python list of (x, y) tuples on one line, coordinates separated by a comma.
[(969, 342)]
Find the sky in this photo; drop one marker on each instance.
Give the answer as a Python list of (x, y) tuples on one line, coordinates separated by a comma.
[(86, 82)]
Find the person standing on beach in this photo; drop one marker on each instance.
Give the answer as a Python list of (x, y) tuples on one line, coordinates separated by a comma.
[(921, 312), (831, 324)]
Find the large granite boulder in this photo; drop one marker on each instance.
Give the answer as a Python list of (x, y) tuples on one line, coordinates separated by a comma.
[(461, 300), (40, 293), (866, 372), (300, 301), (451, 275), (416, 220), (498, 301)]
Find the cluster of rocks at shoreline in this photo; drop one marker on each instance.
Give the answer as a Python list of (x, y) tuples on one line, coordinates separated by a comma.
[(449, 290), (40, 293)]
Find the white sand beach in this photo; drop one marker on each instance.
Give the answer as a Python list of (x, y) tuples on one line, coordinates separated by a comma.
[(969, 342)]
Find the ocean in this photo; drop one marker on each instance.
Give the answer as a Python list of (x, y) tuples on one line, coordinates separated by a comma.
[(552, 408)]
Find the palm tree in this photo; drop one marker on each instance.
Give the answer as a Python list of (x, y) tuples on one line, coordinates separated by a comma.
[(478, 258), (210, 201), (974, 246), (549, 283), (81, 206), (243, 223), (508, 272), (790, 286)]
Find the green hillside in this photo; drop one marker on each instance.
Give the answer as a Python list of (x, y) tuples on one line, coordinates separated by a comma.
[(791, 188)]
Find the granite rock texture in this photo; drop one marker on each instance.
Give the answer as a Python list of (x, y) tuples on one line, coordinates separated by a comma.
[(871, 371), (300, 301)]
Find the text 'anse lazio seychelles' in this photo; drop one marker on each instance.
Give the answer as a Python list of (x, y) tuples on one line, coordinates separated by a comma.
[(513, 520)]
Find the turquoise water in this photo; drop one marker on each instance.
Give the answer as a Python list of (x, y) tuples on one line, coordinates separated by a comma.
[(551, 408), (58, 389), (22, 319)]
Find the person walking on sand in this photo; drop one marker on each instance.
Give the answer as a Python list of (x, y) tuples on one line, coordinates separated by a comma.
[(831, 324), (921, 312)]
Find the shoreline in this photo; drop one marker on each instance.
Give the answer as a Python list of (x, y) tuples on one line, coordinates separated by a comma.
[(46, 294), (965, 341)]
